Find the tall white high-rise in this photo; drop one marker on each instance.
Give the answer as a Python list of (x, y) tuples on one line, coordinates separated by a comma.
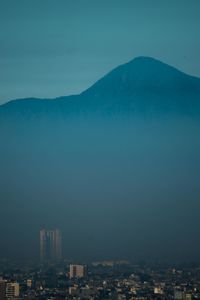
[(50, 245)]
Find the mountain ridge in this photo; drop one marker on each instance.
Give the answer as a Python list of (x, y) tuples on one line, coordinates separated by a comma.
[(143, 84)]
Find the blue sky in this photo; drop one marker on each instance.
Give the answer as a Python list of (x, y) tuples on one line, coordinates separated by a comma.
[(50, 48)]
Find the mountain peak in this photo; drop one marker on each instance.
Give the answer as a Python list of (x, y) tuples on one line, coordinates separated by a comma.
[(145, 59), (142, 73), (151, 64)]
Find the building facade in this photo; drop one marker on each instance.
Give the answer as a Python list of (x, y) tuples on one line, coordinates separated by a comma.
[(12, 290), (77, 271), (2, 289), (50, 245), (8, 290)]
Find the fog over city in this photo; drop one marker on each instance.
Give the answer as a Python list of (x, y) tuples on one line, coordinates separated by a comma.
[(116, 166)]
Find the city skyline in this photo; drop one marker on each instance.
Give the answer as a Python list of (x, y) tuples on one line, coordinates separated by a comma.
[(118, 281)]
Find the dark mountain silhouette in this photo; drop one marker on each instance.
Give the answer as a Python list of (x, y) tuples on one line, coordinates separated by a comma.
[(144, 85)]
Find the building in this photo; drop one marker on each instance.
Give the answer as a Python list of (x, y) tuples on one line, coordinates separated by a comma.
[(188, 297), (158, 290), (50, 245), (73, 290), (77, 271), (12, 290), (2, 289), (178, 295), (29, 283)]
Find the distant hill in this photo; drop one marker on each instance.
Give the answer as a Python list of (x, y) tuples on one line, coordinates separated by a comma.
[(144, 85)]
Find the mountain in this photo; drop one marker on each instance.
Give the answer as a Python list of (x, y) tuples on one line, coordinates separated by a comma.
[(144, 85)]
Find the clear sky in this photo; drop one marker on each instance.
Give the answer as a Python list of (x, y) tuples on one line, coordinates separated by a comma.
[(50, 48)]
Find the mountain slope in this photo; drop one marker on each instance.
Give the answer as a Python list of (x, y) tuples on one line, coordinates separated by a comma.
[(144, 85)]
